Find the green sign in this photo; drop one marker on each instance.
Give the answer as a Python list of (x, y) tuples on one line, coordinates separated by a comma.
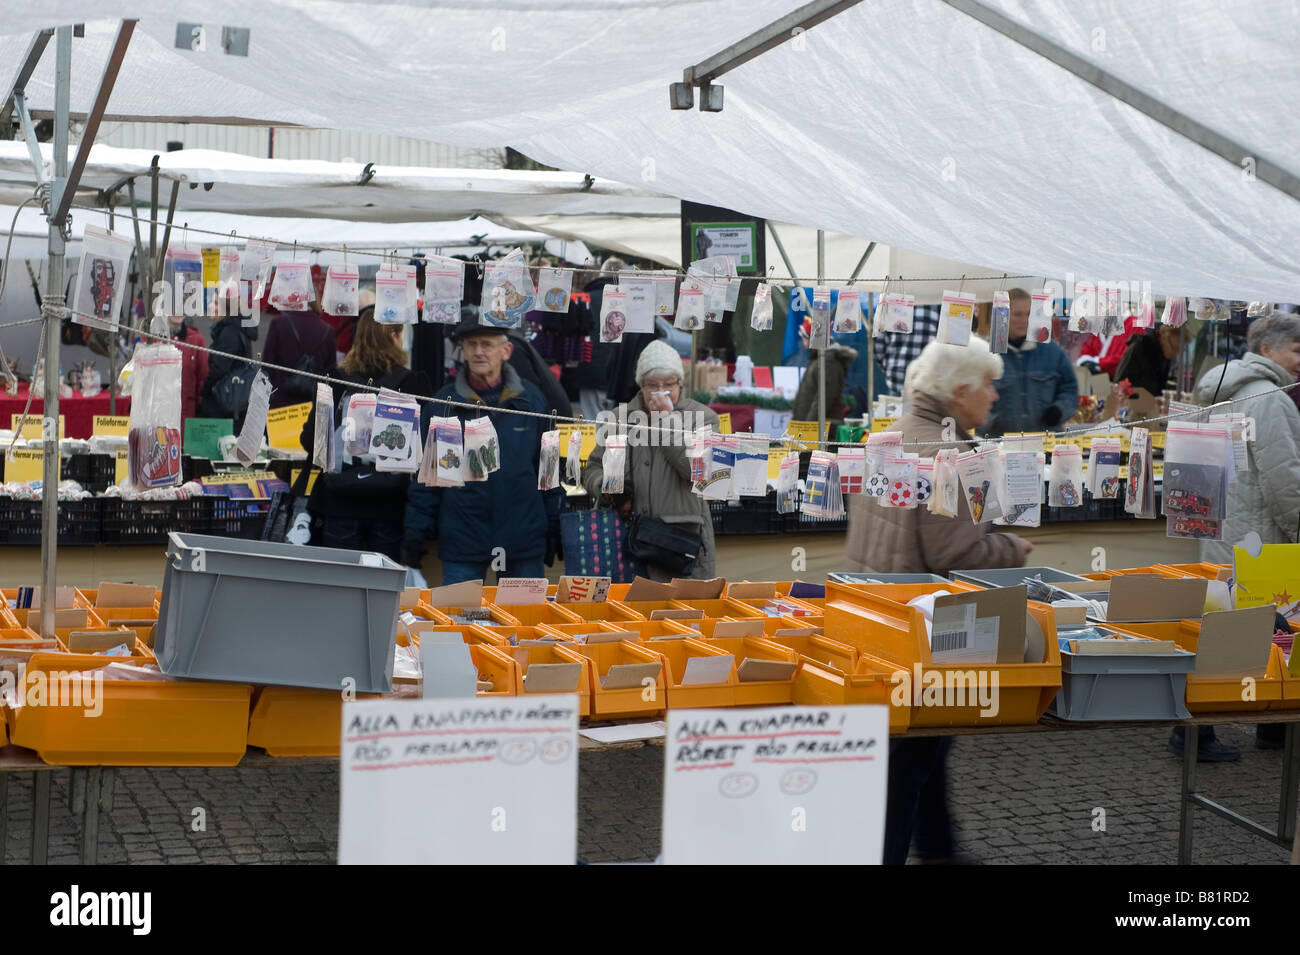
[(735, 239), (202, 434)]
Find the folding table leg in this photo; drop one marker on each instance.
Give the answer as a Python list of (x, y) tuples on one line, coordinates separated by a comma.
[(1185, 799), (93, 776), (40, 817), (1286, 811), (4, 815)]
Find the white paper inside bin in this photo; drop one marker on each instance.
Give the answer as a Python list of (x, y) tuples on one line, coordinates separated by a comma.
[(258, 612)]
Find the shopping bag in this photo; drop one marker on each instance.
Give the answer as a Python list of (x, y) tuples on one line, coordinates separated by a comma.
[(594, 545)]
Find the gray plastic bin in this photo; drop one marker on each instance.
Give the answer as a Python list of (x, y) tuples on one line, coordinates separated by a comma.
[(256, 612), (845, 577), (1011, 576), (1123, 686)]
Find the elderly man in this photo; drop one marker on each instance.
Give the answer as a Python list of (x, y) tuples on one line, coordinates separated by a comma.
[(504, 523), (1037, 390)]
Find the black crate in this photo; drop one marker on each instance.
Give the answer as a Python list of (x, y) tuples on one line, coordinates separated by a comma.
[(20, 522), (239, 517), (149, 522), (95, 472)]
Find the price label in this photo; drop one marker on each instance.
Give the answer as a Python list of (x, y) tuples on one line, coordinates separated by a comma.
[(32, 428), (881, 424), (724, 423), (25, 465), (284, 425)]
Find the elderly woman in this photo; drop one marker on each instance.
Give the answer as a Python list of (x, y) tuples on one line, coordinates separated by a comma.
[(1266, 498), (950, 388), (657, 473), (947, 384)]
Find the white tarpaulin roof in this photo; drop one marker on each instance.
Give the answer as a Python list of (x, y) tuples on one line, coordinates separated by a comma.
[(233, 192), (903, 120)]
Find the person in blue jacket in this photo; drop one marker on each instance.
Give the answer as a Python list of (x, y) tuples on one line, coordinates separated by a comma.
[(504, 523), (1038, 389)]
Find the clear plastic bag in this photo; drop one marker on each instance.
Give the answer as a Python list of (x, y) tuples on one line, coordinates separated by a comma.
[(101, 279), (848, 312), (787, 484), (257, 264), (1103, 468), (690, 308), (749, 474), (1146, 313), (613, 463), (821, 495), (613, 315), (444, 279), (573, 458), (853, 469), (508, 292), (924, 480), (900, 311), (1000, 323), (358, 422), (1040, 317), (956, 317), (154, 442), (342, 291), (1175, 312), (760, 318), (554, 287), (699, 454), (395, 439), (1085, 316), (322, 454), (230, 270), (291, 289), (449, 452), (944, 496), (719, 485), (1139, 494), (982, 480), (482, 456), (548, 464), (819, 318), (1065, 480), (395, 299), (901, 471), (1199, 463)]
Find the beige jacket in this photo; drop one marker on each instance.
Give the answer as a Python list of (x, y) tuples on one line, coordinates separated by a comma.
[(660, 477), (890, 540)]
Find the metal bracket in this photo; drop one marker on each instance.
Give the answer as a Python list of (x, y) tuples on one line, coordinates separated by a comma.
[(29, 134)]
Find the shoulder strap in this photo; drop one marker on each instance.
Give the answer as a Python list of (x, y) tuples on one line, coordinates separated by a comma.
[(293, 327)]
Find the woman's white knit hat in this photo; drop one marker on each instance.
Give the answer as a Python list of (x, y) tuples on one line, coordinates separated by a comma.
[(659, 358)]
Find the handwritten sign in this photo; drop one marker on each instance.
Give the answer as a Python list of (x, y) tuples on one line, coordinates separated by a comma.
[(31, 429), (284, 425), (211, 266), (459, 782), (588, 439), (774, 458), (583, 589), (117, 426), (880, 424), (804, 431), (25, 465), (121, 464), (724, 423), (789, 785)]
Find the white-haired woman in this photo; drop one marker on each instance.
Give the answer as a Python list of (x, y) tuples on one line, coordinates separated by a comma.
[(947, 383), (950, 388)]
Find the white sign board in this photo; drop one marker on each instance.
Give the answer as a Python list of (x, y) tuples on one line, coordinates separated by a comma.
[(789, 785), (458, 782)]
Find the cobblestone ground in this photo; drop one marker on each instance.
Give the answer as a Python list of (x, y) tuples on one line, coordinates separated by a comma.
[(1016, 798)]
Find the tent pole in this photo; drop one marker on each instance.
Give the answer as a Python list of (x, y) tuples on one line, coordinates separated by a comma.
[(143, 264), (33, 56), (167, 230), (51, 313), (821, 352)]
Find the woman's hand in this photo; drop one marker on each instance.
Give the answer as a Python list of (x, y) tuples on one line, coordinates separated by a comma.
[(660, 401)]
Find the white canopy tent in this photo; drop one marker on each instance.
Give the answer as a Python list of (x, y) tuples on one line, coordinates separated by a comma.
[(228, 192), (909, 121)]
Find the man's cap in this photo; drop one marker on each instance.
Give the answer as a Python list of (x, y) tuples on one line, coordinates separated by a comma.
[(470, 326)]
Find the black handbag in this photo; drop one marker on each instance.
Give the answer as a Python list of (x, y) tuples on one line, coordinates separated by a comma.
[(285, 509), (231, 393), (673, 547)]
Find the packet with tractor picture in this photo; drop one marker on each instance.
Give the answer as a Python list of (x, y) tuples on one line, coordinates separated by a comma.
[(449, 452), (482, 454), (395, 434)]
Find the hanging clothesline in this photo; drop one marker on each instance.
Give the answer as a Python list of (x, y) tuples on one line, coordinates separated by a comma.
[(1110, 428)]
